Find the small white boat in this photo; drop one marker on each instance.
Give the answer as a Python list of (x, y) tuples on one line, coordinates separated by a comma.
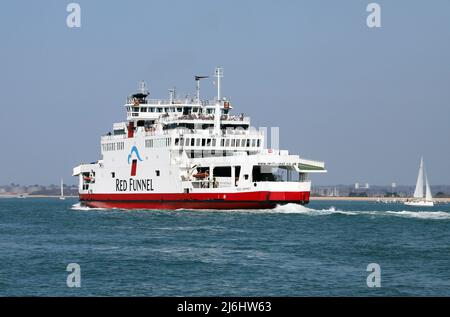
[(420, 199), (62, 191)]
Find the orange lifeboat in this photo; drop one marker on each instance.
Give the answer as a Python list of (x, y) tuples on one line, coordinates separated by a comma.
[(201, 175)]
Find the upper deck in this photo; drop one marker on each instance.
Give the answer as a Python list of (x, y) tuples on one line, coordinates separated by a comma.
[(169, 111)]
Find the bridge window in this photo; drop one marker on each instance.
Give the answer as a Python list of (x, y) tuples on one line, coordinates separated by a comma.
[(222, 171)]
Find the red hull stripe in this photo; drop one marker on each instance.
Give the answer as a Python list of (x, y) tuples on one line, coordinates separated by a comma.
[(248, 200)]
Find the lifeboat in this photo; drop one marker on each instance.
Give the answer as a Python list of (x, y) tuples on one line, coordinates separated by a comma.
[(201, 175)]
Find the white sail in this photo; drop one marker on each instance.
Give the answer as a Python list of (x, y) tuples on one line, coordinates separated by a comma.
[(419, 200), (62, 188), (418, 193), (428, 196)]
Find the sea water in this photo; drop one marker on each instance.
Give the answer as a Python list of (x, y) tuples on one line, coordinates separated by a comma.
[(323, 249)]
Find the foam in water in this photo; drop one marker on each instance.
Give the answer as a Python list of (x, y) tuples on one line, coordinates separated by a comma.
[(294, 208), (79, 206), (421, 214), (300, 209)]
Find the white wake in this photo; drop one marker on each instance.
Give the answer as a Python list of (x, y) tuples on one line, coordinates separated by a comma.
[(303, 210), (420, 214), (299, 209), (80, 207)]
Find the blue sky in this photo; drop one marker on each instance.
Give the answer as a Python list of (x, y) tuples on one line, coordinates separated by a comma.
[(367, 101)]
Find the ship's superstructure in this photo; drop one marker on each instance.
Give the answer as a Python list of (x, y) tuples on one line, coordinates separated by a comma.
[(191, 154)]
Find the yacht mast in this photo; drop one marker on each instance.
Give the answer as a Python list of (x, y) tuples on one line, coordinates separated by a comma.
[(428, 196)]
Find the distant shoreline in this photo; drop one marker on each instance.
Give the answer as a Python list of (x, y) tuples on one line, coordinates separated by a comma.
[(312, 198), (371, 198)]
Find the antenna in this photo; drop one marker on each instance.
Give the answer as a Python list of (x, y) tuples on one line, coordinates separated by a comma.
[(143, 88), (172, 94), (218, 75), (197, 80)]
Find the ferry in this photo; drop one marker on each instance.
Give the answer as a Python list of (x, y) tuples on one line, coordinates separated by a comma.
[(190, 153)]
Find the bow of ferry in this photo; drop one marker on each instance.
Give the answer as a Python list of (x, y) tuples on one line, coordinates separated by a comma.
[(191, 154)]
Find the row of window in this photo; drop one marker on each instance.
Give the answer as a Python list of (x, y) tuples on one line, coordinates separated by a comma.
[(223, 142), (166, 109), (119, 146), (158, 142), (187, 142)]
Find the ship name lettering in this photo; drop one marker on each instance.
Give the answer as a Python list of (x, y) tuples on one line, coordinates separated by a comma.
[(121, 185), (134, 185), (141, 184)]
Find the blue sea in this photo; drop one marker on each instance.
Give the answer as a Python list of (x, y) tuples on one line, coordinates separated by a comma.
[(322, 249)]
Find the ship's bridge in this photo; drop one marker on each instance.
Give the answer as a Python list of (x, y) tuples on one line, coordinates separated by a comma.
[(187, 109), (142, 111)]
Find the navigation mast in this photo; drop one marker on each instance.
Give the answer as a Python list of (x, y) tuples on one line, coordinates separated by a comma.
[(197, 80), (218, 75)]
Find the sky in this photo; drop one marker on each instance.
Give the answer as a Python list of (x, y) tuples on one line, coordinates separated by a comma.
[(367, 101)]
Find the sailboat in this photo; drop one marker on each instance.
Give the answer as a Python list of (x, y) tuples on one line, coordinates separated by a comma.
[(419, 198), (62, 191)]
